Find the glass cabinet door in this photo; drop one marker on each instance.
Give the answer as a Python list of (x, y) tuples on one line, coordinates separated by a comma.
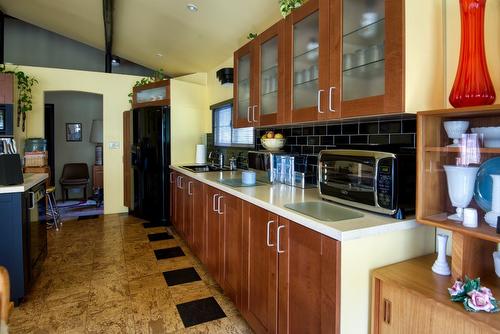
[(243, 86), (363, 45), (305, 63), (269, 77)]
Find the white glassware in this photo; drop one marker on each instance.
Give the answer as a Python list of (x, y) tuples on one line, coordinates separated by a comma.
[(491, 136), (470, 217), (492, 216), (460, 187), (441, 266), (455, 130), (496, 261), (248, 177)]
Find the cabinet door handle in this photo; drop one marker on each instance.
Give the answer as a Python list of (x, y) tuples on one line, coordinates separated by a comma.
[(189, 188), (177, 181), (267, 237), (278, 239), (330, 99), (248, 114), (253, 113), (180, 182), (387, 311), (218, 205), (214, 208), (319, 101), (171, 177)]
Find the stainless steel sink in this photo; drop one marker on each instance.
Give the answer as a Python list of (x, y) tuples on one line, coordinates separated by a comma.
[(324, 211), (204, 168)]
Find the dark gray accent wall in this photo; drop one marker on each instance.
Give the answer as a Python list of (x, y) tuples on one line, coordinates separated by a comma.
[(27, 44)]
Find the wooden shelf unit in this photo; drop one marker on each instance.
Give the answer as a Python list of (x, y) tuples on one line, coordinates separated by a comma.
[(420, 303), (472, 247)]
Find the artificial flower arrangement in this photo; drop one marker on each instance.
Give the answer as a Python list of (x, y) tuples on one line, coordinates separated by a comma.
[(474, 296)]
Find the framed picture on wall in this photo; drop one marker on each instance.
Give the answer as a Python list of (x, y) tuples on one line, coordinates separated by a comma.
[(73, 131)]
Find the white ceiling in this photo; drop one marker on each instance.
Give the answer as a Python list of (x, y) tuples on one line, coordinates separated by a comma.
[(189, 42)]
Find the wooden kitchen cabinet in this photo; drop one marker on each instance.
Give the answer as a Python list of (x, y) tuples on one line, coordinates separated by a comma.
[(259, 80), (197, 220), (180, 203), (291, 280), (173, 186), (309, 282), (407, 297), (231, 244), (213, 233), (6, 88), (260, 260)]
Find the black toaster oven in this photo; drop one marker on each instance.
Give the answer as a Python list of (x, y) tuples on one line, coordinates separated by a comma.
[(375, 178)]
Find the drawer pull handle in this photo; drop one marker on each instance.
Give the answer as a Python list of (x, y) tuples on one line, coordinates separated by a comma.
[(387, 311), (218, 205), (214, 208), (267, 238), (278, 239)]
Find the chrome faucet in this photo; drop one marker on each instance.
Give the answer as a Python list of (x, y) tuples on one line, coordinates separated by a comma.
[(221, 159)]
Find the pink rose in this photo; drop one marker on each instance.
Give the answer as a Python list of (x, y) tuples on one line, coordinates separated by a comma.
[(457, 288), (486, 291), (480, 301)]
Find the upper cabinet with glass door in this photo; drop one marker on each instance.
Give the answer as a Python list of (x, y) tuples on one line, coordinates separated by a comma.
[(259, 80), (243, 84), (307, 68), (269, 90), (372, 57)]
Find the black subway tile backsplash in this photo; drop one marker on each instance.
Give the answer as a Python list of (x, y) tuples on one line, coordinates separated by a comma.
[(291, 140), (297, 131), (409, 126), (341, 140), (335, 129), (378, 139), (405, 139), (301, 140), (313, 140), (360, 139), (350, 129), (368, 128), (320, 130), (308, 131), (390, 127), (326, 140)]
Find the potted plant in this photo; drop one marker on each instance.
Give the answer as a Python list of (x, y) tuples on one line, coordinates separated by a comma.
[(286, 6)]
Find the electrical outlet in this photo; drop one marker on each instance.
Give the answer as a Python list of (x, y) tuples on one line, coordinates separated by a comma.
[(114, 145)]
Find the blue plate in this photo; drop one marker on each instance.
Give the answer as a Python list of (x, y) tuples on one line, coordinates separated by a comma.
[(484, 183)]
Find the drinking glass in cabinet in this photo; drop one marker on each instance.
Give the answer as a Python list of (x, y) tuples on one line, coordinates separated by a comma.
[(305, 56), (363, 49)]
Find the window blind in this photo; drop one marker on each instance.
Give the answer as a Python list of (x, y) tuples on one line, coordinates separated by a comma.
[(224, 134)]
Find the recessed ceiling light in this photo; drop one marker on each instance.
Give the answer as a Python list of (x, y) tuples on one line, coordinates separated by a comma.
[(159, 55), (192, 7)]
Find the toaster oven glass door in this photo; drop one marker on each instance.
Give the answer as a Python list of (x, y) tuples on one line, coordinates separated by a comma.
[(350, 178)]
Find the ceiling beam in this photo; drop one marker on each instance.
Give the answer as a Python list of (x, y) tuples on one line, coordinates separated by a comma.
[(107, 11)]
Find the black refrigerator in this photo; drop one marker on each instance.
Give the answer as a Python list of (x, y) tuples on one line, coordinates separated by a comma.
[(150, 164)]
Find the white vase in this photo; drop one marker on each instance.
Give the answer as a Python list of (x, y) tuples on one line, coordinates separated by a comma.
[(460, 188), (492, 216), (441, 266)]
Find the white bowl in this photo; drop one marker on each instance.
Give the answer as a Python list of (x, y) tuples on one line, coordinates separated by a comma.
[(273, 144), (491, 135), (455, 130)]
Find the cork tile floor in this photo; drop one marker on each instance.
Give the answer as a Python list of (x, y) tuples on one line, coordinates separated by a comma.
[(115, 275)]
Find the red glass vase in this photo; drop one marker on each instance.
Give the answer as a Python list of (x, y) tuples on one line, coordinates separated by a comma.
[(472, 86)]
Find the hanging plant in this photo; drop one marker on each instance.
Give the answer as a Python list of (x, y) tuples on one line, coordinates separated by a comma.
[(286, 6), (25, 97), (158, 75), (251, 36)]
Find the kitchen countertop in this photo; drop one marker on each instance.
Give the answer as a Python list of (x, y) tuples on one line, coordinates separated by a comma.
[(274, 197), (30, 180)]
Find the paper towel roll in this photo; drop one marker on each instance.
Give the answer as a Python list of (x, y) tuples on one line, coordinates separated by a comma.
[(201, 154)]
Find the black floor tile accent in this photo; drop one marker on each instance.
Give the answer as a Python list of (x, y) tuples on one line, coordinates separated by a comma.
[(167, 253), (200, 311), (181, 276), (88, 217), (159, 236)]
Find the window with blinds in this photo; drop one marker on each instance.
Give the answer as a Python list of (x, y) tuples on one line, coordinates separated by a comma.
[(224, 134)]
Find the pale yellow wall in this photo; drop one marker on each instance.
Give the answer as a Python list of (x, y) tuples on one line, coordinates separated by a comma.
[(424, 55), (189, 109), (114, 89), (492, 42), (359, 257), (216, 93)]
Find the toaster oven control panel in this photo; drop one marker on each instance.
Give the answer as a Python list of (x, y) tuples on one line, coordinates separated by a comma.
[(385, 193)]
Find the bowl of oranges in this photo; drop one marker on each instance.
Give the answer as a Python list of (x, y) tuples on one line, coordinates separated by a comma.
[(272, 141)]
